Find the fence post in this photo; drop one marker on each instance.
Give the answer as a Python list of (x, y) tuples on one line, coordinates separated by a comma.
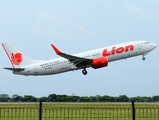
[(40, 111), (133, 111)]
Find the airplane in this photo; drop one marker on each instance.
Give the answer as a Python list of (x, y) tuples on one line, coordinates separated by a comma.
[(98, 58)]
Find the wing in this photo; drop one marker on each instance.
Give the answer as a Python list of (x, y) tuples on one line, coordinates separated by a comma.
[(78, 61)]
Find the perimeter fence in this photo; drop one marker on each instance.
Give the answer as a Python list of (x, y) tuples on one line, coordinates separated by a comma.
[(94, 111)]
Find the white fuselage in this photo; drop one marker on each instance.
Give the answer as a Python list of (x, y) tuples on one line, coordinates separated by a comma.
[(112, 53)]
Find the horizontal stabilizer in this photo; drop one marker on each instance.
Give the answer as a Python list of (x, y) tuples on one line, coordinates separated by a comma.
[(15, 69)]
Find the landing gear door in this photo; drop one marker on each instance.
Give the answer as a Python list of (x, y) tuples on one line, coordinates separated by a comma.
[(35, 71)]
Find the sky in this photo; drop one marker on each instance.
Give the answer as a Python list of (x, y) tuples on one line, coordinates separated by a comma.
[(78, 26)]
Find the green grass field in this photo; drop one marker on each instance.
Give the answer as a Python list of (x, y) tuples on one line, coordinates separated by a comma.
[(66, 111)]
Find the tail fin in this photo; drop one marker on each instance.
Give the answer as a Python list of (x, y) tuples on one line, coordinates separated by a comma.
[(17, 58)]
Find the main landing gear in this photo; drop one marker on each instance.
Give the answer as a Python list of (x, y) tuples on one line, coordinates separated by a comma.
[(143, 58), (84, 71)]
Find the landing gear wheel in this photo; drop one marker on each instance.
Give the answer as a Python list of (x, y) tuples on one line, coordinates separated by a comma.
[(84, 71), (143, 58)]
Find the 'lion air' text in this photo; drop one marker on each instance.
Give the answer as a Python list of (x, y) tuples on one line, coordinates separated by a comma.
[(118, 50)]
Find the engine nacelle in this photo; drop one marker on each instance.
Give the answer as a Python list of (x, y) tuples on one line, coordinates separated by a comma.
[(99, 62)]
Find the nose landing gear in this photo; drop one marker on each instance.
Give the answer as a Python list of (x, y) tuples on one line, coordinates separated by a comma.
[(143, 58), (84, 71)]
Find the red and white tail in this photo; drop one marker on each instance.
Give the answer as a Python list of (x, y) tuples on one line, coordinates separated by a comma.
[(17, 58)]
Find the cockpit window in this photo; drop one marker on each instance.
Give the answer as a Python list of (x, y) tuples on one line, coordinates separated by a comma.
[(147, 42)]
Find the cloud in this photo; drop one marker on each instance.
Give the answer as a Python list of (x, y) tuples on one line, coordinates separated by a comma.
[(80, 11), (46, 17), (140, 11), (52, 32), (81, 28), (49, 26), (134, 8), (151, 12), (1, 57)]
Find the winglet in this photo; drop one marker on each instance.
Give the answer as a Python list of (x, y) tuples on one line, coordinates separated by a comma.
[(56, 50)]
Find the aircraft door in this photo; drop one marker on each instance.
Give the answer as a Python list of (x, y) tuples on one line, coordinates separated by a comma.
[(139, 48)]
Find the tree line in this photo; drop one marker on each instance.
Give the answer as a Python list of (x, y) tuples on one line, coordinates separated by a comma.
[(67, 98)]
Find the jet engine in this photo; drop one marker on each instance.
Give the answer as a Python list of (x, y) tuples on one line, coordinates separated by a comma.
[(99, 62)]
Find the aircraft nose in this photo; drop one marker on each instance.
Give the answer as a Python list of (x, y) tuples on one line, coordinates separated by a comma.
[(153, 45)]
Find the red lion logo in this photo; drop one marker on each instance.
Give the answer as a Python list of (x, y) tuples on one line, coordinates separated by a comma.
[(16, 58)]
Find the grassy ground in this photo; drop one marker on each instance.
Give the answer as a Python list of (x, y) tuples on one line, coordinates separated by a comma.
[(78, 111)]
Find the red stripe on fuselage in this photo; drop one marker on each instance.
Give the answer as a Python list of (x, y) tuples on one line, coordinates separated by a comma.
[(7, 54)]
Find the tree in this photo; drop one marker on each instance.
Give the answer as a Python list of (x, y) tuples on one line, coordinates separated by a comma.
[(86, 99), (43, 99), (4, 98), (92, 98), (69, 99), (123, 98), (16, 98), (30, 98), (62, 98), (52, 98), (155, 98)]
